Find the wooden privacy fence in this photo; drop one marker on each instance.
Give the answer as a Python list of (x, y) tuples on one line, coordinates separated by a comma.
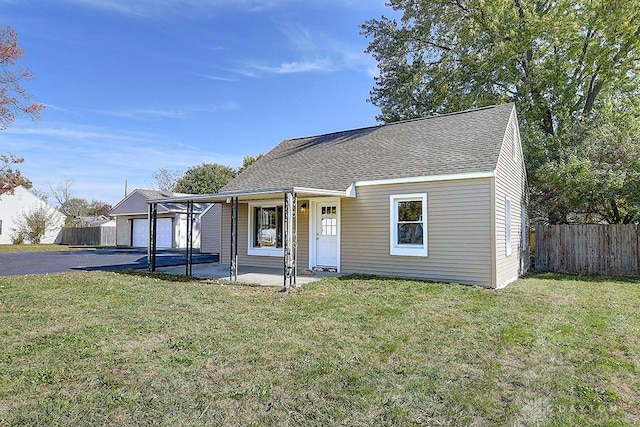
[(588, 249), (93, 236)]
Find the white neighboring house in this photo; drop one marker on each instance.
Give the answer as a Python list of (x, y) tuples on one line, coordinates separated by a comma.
[(13, 206)]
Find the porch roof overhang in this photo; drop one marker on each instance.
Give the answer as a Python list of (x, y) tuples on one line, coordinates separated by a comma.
[(267, 193)]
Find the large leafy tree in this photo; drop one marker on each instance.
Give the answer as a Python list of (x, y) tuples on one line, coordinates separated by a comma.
[(248, 161), (571, 66), (206, 178), (13, 100)]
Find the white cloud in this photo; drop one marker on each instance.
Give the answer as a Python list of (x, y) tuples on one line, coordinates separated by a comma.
[(99, 160), (316, 65), (153, 113), (144, 113), (77, 133), (215, 77), (317, 51)]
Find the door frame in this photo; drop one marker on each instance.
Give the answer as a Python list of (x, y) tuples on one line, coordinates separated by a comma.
[(313, 220)]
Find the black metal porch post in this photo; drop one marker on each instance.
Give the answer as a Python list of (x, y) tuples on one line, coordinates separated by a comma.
[(153, 221), (189, 264)]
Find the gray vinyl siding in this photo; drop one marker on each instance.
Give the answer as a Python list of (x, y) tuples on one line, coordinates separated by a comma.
[(211, 229), (260, 261), (511, 184), (458, 232), (136, 203), (123, 230), (303, 236)]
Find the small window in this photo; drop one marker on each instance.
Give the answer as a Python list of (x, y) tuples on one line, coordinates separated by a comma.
[(329, 221), (0, 227), (266, 230), (408, 218), (507, 225)]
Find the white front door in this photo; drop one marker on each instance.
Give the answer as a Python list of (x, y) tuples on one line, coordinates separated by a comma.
[(326, 228)]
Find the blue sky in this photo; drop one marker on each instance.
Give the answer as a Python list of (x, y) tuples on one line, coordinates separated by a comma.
[(135, 85)]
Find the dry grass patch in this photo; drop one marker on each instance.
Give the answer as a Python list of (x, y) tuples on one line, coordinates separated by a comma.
[(133, 349)]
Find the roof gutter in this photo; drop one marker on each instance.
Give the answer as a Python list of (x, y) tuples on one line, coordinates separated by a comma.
[(429, 178), (252, 194)]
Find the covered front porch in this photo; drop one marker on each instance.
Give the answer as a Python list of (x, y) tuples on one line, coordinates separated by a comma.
[(262, 232)]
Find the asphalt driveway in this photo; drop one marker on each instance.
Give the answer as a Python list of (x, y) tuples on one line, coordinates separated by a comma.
[(15, 264)]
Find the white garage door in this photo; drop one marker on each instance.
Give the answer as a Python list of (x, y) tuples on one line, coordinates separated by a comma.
[(140, 233)]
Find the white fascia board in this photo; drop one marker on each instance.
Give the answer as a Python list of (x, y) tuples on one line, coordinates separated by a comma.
[(320, 192), (131, 214), (250, 194), (351, 191), (431, 178)]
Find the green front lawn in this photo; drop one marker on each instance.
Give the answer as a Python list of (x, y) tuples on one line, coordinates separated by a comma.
[(129, 349), (8, 249)]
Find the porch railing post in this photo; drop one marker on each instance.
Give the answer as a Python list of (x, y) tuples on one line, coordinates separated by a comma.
[(294, 237), (285, 242), (233, 253), (189, 254), (290, 239), (152, 246)]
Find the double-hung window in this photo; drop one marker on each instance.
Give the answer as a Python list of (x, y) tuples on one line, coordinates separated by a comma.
[(408, 219), (266, 223)]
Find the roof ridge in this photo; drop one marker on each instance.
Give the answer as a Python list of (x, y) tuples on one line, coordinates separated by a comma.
[(435, 116)]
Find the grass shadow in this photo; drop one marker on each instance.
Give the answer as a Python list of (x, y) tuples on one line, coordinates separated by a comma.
[(595, 278), (357, 276), (180, 278), (159, 275)]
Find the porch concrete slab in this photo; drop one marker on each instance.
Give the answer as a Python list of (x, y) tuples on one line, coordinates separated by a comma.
[(248, 275)]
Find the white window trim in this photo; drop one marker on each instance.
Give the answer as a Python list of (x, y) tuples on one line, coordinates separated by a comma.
[(407, 250), (508, 240), (273, 252)]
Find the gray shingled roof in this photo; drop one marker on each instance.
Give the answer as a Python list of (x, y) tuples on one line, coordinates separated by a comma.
[(456, 143)]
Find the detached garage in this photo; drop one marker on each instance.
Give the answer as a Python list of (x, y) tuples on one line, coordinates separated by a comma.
[(132, 223)]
